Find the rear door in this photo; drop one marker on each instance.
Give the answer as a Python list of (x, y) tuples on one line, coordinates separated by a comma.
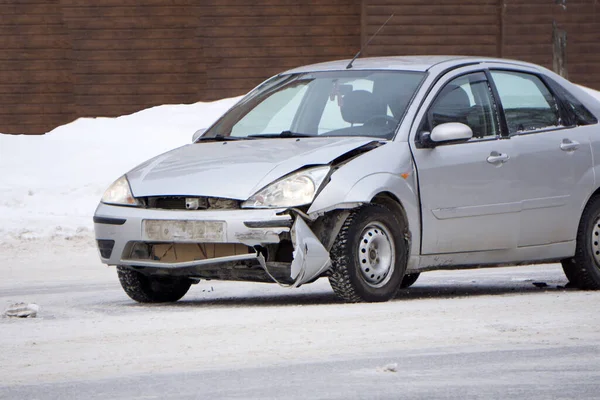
[(551, 154), (466, 189)]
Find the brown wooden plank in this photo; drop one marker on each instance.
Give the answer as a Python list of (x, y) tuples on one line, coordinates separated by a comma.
[(189, 55), (277, 10), (266, 62), (34, 41), (483, 50), (426, 9), (269, 3), (330, 51), (438, 30), (401, 40), (31, 19), (217, 31), (168, 21), (145, 99), (375, 21), (432, 3), (125, 11), (260, 71), (139, 89), (32, 65), (47, 8), (136, 66), (7, 87), (132, 33), (26, 55), (137, 44), (28, 30), (136, 78), (10, 113), (277, 21), (295, 41), (37, 77), (7, 99)]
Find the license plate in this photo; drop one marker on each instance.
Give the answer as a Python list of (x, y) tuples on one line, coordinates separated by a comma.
[(197, 231)]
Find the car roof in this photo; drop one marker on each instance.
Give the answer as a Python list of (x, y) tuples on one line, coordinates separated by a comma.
[(403, 63)]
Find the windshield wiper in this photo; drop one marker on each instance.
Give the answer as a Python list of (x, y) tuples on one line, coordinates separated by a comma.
[(284, 134), (219, 138)]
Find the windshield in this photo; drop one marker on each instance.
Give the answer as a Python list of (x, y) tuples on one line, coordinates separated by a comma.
[(337, 103)]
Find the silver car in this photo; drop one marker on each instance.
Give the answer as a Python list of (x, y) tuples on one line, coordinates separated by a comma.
[(368, 173)]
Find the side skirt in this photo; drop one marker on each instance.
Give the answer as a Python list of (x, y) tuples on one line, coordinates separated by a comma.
[(494, 258)]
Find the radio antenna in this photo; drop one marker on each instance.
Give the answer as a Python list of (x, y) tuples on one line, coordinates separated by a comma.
[(368, 41)]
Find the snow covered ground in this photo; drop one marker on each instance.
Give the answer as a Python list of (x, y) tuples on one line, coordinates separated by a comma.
[(456, 334)]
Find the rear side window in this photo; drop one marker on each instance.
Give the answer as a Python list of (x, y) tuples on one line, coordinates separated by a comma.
[(527, 102), (577, 111)]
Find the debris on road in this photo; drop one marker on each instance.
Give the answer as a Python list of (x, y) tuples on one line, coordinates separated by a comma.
[(22, 310), (540, 284), (392, 367)]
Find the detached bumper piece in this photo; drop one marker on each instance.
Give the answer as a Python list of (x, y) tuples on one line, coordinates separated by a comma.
[(311, 258)]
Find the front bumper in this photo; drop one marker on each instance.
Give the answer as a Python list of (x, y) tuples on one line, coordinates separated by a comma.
[(121, 227)]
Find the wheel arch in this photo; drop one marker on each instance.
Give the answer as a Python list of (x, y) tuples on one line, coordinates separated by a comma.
[(383, 188)]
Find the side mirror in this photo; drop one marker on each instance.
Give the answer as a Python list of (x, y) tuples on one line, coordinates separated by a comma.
[(450, 132), (197, 134)]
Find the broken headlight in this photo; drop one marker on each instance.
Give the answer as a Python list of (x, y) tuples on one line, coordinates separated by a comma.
[(296, 189), (119, 193)]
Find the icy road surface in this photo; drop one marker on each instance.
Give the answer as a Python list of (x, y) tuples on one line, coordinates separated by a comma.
[(455, 334)]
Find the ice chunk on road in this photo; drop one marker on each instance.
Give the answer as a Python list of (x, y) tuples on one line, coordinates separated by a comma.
[(22, 310)]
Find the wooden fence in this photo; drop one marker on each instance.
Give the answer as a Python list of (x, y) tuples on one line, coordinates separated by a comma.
[(63, 59)]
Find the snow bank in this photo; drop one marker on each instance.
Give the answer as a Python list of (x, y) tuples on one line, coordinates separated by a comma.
[(50, 185)]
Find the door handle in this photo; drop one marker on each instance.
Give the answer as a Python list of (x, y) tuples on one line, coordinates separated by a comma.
[(569, 145), (497, 158)]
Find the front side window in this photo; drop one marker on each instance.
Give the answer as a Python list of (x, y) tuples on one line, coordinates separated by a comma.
[(468, 100), (527, 102), (336, 103)]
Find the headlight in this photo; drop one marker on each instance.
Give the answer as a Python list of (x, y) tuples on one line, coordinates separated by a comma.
[(119, 193), (296, 189)]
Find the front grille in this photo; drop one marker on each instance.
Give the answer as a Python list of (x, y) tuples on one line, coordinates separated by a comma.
[(191, 203)]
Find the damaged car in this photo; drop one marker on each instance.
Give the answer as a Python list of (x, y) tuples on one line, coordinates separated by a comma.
[(367, 173)]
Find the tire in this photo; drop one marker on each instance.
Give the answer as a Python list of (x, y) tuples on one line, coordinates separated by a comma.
[(369, 256), (146, 289), (583, 270), (409, 280)]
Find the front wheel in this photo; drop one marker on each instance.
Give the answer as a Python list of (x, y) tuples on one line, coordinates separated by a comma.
[(369, 256), (150, 289), (583, 270)]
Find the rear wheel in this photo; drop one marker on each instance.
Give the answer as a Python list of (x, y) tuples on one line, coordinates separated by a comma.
[(583, 270), (149, 289), (369, 256), (409, 280)]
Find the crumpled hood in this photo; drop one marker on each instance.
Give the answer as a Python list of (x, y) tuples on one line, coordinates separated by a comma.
[(234, 169)]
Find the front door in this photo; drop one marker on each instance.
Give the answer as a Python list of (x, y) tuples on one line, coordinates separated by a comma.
[(466, 189)]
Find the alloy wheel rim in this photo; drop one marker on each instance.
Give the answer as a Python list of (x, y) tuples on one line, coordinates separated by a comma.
[(596, 241), (376, 255)]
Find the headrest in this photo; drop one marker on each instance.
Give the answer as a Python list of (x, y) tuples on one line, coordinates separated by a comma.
[(453, 97), (359, 106)]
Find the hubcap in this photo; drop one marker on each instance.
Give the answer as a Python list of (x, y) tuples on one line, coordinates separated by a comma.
[(376, 254), (596, 241)]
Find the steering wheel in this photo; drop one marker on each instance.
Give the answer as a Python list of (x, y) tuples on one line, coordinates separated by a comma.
[(378, 119)]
